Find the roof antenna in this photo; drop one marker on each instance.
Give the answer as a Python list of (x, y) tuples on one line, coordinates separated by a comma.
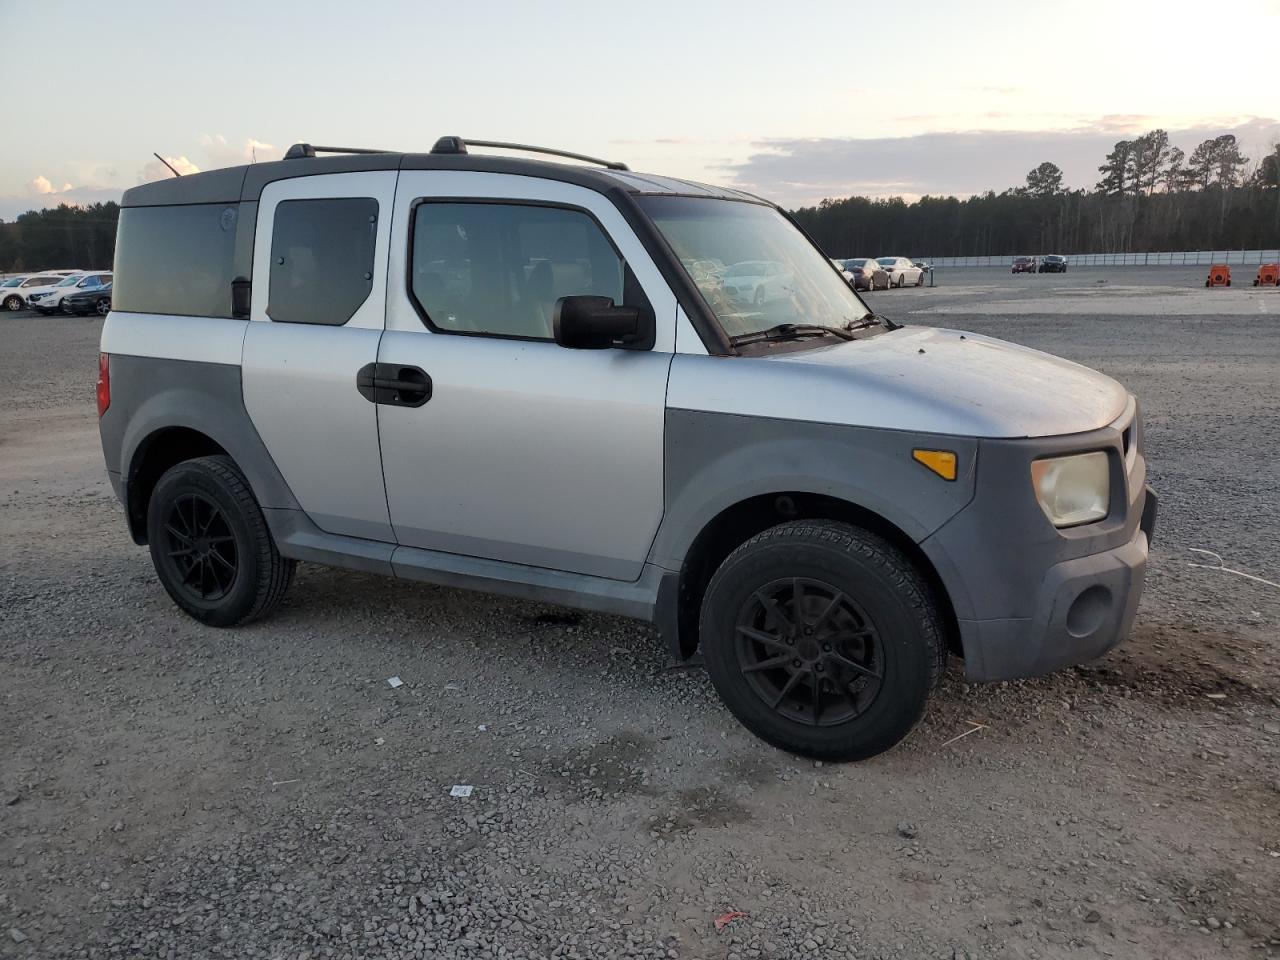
[(166, 163)]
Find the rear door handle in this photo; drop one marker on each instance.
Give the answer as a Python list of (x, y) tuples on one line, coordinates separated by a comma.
[(393, 384)]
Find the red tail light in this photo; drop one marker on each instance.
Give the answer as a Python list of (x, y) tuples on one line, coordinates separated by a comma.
[(104, 383)]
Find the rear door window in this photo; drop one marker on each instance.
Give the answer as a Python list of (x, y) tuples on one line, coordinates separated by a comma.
[(321, 259)]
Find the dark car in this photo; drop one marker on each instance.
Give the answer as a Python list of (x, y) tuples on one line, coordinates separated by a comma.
[(867, 274), (93, 300), (1024, 264), (1053, 264)]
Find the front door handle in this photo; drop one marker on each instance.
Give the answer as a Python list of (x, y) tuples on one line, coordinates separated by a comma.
[(394, 384)]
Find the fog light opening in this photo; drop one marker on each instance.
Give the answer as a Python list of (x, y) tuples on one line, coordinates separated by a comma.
[(1089, 611)]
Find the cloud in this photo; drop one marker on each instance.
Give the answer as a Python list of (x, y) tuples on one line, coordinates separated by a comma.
[(803, 171), (223, 153), (41, 186), (155, 170)]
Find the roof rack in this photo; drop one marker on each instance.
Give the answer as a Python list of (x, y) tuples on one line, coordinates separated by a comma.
[(459, 145), (455, 145), (300, 151)]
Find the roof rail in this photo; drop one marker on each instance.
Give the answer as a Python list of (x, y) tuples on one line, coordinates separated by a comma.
[(300, 151), (459, 145)]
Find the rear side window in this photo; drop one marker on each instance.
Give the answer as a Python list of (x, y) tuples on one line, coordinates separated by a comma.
[(176, 259), (321, 259), (497, 269)]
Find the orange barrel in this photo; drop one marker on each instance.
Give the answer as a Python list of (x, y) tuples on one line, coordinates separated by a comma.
[(1219, 276)]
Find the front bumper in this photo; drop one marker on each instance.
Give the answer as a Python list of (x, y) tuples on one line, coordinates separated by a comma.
[(1029, 598), (1083, 608)]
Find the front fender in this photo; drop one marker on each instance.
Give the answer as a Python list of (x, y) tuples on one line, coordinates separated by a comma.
[(714, 461)]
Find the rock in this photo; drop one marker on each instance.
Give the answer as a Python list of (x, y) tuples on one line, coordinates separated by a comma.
[(1213, 923), (17, 935), (908, 830), (1093, 916)]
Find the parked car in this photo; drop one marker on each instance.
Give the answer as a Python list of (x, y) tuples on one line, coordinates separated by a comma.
[(1053, 264), (839, 265), (50, 301), (902, 272), (1024, 264), (97, 300), (15, 291), (791, 491), (867, 273), (756, 281)]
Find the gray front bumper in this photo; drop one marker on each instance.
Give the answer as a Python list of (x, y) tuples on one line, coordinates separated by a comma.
[(1029, 598), (1083, 608)]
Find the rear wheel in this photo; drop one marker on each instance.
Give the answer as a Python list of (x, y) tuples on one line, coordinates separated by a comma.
[(210, 544), (13, 302), (822, 639), (103, 307)]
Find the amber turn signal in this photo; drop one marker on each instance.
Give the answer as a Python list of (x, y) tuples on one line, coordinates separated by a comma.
[(941, 462)]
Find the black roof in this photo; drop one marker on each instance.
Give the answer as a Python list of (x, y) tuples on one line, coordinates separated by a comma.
[(245, 183)]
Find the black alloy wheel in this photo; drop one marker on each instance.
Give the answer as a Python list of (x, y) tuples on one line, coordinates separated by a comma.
[(809, 652), (200, 547)]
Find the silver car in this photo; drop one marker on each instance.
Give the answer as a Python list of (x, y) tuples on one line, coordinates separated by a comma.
[(504, 374)]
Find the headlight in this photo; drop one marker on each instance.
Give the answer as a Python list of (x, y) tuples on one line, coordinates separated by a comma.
[(1073, 490)]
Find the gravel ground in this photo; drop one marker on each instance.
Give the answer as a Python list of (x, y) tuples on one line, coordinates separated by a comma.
[(168, 790)]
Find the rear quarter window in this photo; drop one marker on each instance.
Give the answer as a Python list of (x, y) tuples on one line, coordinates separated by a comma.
[(322, 253), (176, 260)]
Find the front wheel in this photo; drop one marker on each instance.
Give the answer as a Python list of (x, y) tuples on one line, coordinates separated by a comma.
[(13, 303), (822, 639), (210, 544), (103, 307), (920, 279)]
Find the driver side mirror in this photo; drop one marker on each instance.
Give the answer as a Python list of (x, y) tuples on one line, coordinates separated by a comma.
[(595, 323)]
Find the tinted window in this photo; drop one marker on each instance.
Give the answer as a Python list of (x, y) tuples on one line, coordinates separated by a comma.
[(176, 259), (321, 259), (498, 269)]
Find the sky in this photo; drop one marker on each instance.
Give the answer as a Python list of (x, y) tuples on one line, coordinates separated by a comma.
[(796, 101)]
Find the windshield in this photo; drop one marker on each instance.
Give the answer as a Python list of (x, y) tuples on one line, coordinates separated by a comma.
[(70, 281), (854, 264), (775, 275), (888, 261), (16, 281)]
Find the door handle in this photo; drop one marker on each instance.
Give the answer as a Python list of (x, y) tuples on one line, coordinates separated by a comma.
[(393, 384)]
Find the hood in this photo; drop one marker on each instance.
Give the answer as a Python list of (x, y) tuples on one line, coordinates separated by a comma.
[(920, 379)]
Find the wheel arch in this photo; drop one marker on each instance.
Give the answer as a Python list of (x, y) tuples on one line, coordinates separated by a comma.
[(163, 412), (681, 592), (155, 454)]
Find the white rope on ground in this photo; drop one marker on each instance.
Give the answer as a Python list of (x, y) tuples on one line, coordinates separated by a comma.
[(1225, 569)]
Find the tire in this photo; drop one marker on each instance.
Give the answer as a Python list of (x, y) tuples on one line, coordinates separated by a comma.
[(886, 652), (103, 307), (241, 575), (758, 298), (13, 303), (920, 279), (902, 280)]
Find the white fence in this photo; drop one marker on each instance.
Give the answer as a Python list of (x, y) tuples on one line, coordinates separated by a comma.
[(1183, 258)]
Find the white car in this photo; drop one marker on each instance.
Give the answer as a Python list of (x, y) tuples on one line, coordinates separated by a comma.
[(902, 272), (839, 265), (50, 301), (757, 281), (15, 291)]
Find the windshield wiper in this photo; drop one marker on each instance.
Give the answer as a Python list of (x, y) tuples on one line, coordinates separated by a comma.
[(790, 331), (871, 320)]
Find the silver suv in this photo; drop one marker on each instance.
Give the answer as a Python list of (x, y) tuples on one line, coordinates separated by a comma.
[(498, 373)]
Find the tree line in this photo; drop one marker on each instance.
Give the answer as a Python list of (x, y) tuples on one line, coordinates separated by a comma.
[(1149, 197), (62, 237)]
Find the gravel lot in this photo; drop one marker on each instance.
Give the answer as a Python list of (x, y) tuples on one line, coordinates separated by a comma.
[(168, 790)]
